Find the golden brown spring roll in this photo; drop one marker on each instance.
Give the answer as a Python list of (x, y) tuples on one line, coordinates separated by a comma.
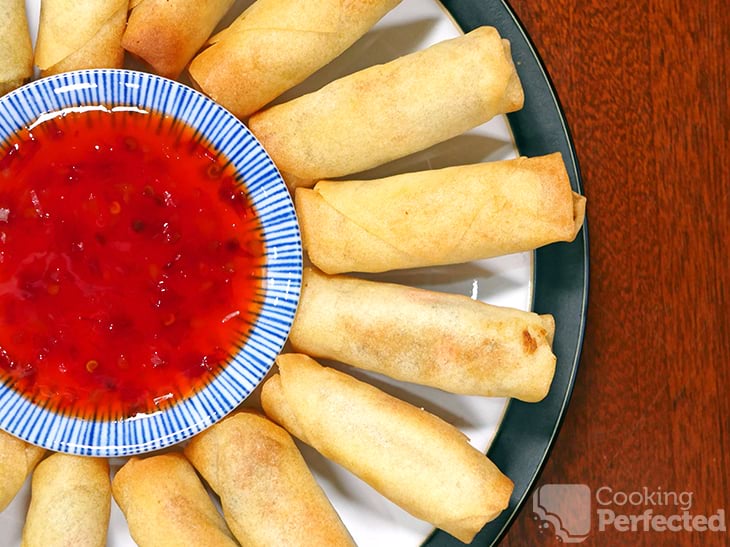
[(268, 494), (415, 459), (447, 341), (17, 461), (276, 44), (166, 504), (166, 34), (16, 50), (70, 503), (388, 111), (443, 216), (76, 34)]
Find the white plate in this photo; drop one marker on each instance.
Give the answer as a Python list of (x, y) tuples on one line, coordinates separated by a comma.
[(506, 281)]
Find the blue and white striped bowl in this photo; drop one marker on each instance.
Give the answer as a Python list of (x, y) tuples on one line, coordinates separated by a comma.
[(279, 293)]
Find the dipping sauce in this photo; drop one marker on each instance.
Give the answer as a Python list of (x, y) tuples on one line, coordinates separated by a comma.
[(130, 260)]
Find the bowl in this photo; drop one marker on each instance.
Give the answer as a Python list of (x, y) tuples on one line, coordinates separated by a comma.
[(58, 413)]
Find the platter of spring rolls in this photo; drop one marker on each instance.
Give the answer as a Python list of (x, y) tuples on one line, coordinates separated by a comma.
[(439, 330)]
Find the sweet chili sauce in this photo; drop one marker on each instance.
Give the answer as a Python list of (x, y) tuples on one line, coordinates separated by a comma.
[(130, 260)]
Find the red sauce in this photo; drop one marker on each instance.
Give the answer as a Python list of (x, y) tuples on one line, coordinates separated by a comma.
[(129, 261)]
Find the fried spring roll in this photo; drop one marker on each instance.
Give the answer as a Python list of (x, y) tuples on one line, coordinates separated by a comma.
[(166, 504), (276, 44), (388, 111), (16, 50), (418, 461), (17, 460), (444, 216), (70, 503), (268, 494), (441, 340), (76, 34), (166, 34)]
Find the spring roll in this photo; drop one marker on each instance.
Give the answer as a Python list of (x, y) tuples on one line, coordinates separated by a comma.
[(76, 34), (443, 216), (17, 461), (165, 503), (70, 503), (268, 494), (276, 44), (16, 50), (415, 459), (446, 341), (166, 34), (388, 111)]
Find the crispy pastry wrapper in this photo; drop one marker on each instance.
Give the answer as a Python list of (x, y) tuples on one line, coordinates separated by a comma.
[(77, 34), (391, 110), (412, 457), (17, 461), (268, 494), (70, 503), (446, 341), (276, 44), (165, 503), (166, 34), (436, 217), (16, 50)]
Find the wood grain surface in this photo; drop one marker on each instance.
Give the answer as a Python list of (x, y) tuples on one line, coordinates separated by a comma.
[(644, 86)]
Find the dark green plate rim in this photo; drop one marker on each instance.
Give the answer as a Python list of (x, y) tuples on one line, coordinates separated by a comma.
[(527, 432)]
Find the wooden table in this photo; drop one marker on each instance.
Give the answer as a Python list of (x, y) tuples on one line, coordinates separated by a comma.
[(644, 88)]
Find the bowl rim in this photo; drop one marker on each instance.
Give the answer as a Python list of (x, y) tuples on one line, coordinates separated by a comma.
[(279, 290)]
